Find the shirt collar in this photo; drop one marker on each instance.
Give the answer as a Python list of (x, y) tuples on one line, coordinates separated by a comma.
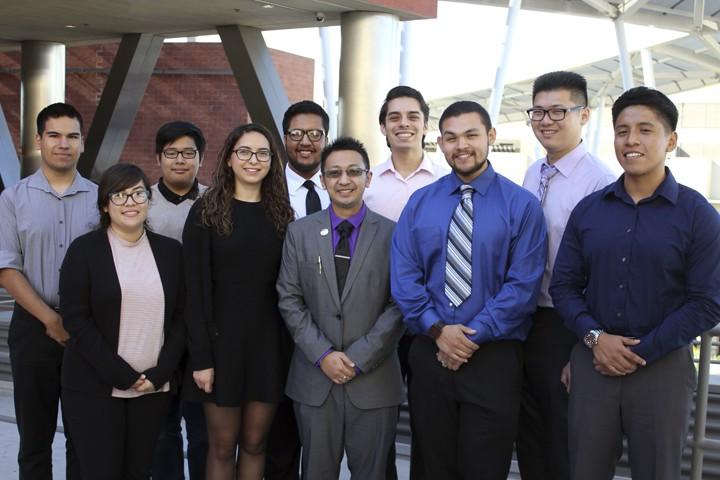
[(173, 197), (295, 181), (356, 219), (569, 161), (387, 166), (668, 189), (39, 180), (480, 184)]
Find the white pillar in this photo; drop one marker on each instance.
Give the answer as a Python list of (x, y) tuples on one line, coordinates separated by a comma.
[(625, 67), (597, 126), (329, 80), (369, 65), (406, 55), (42, 82), (499, 86), (647, 68)]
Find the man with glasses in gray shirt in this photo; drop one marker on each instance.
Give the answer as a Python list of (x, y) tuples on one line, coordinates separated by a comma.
[(41, 215)]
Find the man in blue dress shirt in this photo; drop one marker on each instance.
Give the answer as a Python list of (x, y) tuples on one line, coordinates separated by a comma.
[(467, 258), (637, 279)]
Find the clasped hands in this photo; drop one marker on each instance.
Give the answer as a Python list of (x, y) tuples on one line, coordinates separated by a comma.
[(454, 347), (612, 355), (143, 385), (338, 367)]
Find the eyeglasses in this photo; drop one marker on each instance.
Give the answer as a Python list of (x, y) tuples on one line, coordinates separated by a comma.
[(297, 134), (245, 154), (352, 172), (121, 198), (555, 114), (187, 154)]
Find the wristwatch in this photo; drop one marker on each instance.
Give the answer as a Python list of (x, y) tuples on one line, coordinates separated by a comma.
[(591, 338), (436, 330)]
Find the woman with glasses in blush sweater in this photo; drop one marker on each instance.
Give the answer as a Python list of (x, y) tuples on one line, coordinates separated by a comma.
[(121, 300)]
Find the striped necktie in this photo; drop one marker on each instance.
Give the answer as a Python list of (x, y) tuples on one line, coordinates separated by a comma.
[(547, 172), (458, 267)]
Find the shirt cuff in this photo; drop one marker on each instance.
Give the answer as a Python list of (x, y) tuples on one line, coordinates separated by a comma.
[(584, 324), (327, 352), (357, 370)]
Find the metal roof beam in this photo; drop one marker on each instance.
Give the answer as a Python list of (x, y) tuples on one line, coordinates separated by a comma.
[(704, 61), (712, 44), (603, 7), (630, 7), (698, 15)]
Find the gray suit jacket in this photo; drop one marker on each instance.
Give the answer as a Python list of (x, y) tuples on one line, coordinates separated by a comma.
[(363, 321)]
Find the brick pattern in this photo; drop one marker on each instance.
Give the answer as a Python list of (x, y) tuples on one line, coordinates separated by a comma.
[(192, 81)]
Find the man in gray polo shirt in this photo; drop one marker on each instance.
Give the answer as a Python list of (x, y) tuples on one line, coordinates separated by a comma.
[(40, 216), (179, 149)]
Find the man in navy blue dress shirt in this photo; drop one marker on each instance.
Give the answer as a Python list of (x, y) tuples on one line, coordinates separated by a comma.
[(467, 258), (637, 278)]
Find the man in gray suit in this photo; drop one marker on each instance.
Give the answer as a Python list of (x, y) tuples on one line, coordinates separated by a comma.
[(334, 289)]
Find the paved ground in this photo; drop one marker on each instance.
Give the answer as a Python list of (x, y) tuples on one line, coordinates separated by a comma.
[(9, 444)]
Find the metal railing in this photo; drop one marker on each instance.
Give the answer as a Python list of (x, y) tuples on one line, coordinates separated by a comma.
[(700, 443)]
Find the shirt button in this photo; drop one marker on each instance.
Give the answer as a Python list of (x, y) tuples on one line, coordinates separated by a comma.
[(624, 259), (618, 314), (450, 304), (61, 245), (621, 286), (628, 230), (61, 222)]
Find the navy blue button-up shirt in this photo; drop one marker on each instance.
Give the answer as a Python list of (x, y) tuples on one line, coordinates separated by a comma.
[(509, 249), (649, 270)]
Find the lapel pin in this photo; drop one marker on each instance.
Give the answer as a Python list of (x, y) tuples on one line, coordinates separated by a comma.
[(324, 232)]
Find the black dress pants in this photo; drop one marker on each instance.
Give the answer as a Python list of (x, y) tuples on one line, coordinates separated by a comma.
[(542, 444), (36, 360), (466, 420), (282, 456), (114, 438)]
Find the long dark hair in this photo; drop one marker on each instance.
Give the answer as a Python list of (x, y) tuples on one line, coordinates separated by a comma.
[(217, 201), (116, 179)]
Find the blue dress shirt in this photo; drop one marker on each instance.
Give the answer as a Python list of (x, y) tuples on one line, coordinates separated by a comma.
[(509, 248), (649, 270)]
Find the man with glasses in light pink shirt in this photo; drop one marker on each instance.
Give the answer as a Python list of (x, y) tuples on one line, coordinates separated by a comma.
[(560, 180)]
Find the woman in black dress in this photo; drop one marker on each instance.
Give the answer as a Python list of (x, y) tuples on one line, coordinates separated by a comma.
[(239, 348)]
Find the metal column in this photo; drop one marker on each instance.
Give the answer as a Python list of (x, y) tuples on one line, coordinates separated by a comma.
[(406, 55), (498, 87), (625, 66), (597, 126), (369, 66), (42, 82), (256, 75), (329, 80), (120, 101), (647, 67)]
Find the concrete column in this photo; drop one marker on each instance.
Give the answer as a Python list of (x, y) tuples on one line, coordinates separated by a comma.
[(597, 127), (369, 65), (42, 82), (647, 67), (407, 52)]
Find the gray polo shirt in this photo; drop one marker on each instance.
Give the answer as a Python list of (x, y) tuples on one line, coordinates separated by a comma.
[(37, 226)]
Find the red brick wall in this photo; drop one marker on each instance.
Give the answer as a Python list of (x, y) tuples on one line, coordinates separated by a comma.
[(192, 81)]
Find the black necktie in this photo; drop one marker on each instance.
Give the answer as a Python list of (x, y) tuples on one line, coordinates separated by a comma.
[(312, 199), (342, 253)]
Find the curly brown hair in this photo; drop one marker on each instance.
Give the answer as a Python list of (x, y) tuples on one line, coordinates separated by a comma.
[(216, 211)]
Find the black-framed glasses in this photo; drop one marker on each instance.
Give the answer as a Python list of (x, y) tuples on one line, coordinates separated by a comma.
[(245, 154), (352, 172), (121, 198), (187, 153), (555, 114), (297, 134)]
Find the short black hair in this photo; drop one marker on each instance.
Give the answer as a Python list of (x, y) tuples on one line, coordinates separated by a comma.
[(344, 143), (57, 110), (561, 80), (404, 91), (653, 99), (307, 107), (116, 179), (465, 106), (171, 131)]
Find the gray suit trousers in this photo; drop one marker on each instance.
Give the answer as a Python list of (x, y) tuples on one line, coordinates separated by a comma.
[(651, 407), (337, 427)]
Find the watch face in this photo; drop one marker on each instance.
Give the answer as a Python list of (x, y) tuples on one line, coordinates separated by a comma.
[(590, 339)]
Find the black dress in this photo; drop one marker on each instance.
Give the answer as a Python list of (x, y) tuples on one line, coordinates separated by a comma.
[(233, 320)]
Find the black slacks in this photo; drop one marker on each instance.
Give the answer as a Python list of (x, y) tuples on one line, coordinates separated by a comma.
[(36, 360), (114, 438), (542, 443), (465, 421), (282, 457)]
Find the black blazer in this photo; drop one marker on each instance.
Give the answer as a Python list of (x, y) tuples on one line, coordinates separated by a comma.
[(90, 299)]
